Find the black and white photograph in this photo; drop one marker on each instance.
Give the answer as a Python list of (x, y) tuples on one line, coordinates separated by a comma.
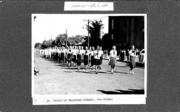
[(89, 56)]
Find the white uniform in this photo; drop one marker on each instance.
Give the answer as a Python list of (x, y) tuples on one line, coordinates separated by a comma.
[(101, 52), (113, 53), (74, 51), (112, 61), (86, 52), (97, 54), (132, 53), (91, 53), (82, 52)]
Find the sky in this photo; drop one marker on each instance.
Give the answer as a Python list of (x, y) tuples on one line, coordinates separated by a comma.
[(47, 26)]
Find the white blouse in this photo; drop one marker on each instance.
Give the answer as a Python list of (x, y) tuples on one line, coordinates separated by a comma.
[(86, 52), (132, 53), (97, 54), (113, 53)]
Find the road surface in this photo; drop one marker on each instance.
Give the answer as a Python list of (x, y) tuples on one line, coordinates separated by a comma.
[(57, 79)]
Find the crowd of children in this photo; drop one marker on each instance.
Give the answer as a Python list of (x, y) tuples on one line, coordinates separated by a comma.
[(75, 56), (79, 56)]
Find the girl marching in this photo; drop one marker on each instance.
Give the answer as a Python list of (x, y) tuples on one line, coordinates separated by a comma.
[(79, 57), (69, 56), (112, 58), (97, 55), (132, 64), (92, 57), (74, 55), (86, 57)]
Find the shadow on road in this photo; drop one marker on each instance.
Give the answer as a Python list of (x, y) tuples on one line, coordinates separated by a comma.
[(70, 68), (68, 71), (122, 66), (118, 72), (62, 65), (130, 91), (90, 72)]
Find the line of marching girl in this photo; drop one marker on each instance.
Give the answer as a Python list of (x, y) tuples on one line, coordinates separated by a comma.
[(76, 56), (84, 57), (132, 63)]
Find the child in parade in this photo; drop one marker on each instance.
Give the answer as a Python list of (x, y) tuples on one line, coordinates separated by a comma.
[(74, 55), (132, 64), (97, 55), (86, 57), (92, 57), (79, 57), (69, 56), (112, 59)]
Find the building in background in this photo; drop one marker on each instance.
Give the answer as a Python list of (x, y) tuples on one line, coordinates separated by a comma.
[(127, 30)]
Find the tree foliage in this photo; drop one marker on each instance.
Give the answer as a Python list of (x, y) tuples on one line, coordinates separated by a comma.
[(95, 30), (37, 45), (107, 42), (61, 41)]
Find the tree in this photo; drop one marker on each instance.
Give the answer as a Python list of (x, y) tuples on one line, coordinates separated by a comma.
[(95, 30), (79, 39), (107, 42), (47, 43), (37, 45), (61, 40)]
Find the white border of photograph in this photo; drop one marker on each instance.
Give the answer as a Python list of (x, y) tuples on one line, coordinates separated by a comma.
[(90, 99)]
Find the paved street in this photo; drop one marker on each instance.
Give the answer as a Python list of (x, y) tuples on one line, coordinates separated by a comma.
[(57, 79)]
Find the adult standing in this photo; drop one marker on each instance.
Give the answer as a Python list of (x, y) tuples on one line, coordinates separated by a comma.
[(112, 59), (132, 64)]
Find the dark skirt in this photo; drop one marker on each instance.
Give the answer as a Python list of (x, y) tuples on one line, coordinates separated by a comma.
[(112, 62), (92, 61), (132, 62), (79, 60), (62, 57), (59, 56), (74, 59), (56, 57), (69, 57), (51, 55), (86, 59), (97, 61), (122, 56)]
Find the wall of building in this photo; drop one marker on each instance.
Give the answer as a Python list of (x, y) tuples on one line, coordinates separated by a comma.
[(127, 30)]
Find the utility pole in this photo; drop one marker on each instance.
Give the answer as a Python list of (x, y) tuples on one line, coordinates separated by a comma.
[(88, 30), (66, 37)]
